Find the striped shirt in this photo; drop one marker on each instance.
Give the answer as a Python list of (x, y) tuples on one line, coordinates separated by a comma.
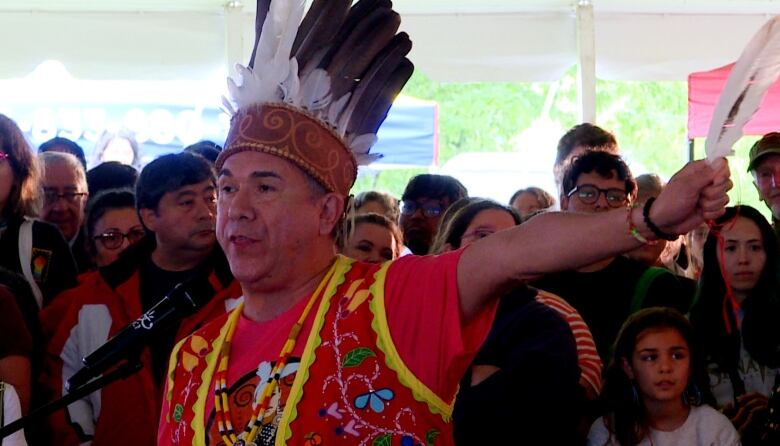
[(587, 356)]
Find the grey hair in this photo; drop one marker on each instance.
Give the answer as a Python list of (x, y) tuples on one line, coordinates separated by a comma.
[(65, 159)]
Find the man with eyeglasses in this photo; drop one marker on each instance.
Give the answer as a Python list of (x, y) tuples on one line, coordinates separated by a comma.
[(65, 199), (175, 200), (765, 167), (608, 291), (423, 203)]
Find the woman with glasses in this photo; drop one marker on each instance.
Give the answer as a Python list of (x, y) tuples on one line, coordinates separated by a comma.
[(30, 247), (112, 225)]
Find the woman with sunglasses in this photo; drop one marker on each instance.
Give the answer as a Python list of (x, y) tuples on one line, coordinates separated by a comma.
[(30, 247)]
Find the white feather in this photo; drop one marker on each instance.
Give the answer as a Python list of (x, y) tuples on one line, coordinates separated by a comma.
[(364, 159), (315, 90), (228, 106), (361, 144), (272, 80), (755, 70)]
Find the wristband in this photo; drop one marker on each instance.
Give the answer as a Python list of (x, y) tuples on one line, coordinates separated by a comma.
[(650, 225), (635, 232)]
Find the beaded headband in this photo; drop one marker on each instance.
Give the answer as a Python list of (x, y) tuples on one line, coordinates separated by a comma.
[(321, 85)]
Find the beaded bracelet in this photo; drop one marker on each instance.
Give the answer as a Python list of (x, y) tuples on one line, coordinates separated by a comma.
[(655, 229), (635, 232)]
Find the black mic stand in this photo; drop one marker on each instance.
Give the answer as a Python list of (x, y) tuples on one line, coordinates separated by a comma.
[(124, 370)]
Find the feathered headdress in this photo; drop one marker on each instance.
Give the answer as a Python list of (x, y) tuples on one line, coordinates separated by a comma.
[(318, 87), (755, 70)]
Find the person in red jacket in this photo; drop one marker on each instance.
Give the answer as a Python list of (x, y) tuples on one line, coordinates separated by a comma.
[(176, 202)]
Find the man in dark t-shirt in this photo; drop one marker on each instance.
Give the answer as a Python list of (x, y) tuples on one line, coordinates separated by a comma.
[(604, 292)]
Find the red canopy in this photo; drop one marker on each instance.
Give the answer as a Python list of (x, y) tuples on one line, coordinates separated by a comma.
[(703, 92)]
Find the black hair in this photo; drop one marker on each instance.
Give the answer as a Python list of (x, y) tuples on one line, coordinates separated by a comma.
[(169, 173), (111, 175), (602, 163), (434, 186), (105, 201), (71, 147), (207, 149), (761, 307), (452, 232), (626, 418), (586, 135)]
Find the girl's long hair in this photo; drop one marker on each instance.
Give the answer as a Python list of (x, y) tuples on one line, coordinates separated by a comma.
[(626, 417), (459, 216), (25, 196), (711, 314)]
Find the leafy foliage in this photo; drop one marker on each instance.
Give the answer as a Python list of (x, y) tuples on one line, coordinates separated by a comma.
[(648, 118)]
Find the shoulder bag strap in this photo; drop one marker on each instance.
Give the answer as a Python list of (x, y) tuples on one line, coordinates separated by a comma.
[(25, 258)]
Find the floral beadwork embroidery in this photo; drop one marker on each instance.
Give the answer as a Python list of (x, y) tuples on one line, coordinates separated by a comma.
[(360, 368)]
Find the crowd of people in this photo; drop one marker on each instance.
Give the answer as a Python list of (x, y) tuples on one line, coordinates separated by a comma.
[(247, 298), (565, 332)]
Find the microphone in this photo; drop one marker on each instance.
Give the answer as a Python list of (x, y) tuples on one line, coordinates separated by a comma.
[(183, 300)]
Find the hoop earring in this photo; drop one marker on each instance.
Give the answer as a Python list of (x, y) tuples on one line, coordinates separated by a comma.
[(691, 395)]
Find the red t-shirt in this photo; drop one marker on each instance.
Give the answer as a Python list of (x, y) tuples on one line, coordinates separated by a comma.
[(423, 312)]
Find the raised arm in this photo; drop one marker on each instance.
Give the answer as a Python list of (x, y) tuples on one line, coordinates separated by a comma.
[(561, 241)]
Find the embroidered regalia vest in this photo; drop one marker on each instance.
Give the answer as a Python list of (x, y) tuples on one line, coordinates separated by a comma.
[(351, 386)]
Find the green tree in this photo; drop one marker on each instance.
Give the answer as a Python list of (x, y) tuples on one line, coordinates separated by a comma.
[(648, 118)]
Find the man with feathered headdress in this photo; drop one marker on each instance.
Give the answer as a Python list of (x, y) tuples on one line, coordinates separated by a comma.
[(325, 350)]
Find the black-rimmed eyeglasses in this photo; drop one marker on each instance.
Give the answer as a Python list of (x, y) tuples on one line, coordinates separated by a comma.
[(589, 194), (431, 210), (113, 239)]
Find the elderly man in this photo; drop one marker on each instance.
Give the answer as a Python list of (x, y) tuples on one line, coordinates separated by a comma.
[(65, 192), (326, 350), (765, 166), (65, 196)]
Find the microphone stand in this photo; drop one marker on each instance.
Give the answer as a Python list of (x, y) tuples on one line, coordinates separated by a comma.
[(124, 370)]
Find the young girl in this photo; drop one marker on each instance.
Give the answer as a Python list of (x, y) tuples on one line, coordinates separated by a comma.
[(739, 328), (654, 388)]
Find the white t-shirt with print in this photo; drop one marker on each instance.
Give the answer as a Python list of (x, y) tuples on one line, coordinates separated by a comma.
[(704, 426), (12, 411), (757, 378)]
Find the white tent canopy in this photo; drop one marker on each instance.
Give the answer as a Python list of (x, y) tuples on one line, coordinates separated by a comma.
[(454, 40)]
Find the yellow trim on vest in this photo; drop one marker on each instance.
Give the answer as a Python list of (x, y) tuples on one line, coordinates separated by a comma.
[(385, 343), (198, 424), (334, 279), (171, 374)]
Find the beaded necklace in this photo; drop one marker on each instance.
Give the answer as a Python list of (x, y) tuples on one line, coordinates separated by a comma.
[(221, 403)]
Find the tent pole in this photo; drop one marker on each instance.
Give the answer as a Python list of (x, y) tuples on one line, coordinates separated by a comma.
[(586, 61), (234, 36), (691, 145)]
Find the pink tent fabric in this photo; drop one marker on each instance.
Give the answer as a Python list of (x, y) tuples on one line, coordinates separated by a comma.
[(703, 92)]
